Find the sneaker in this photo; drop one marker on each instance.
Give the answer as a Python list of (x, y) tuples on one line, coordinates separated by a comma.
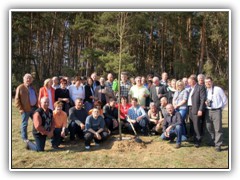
[(26, 144), (218, 149), (55, 147), (211, 144), (87, 147), (178, 146)]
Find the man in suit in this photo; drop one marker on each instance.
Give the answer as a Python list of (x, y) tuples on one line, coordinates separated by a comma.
[(196, 104), (157, 91)]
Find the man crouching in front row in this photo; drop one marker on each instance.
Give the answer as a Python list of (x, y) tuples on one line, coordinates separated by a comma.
[(172, 126)]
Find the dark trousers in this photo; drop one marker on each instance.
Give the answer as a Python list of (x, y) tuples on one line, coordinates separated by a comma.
[(57, 138), (202, 124), (90, 136), (141, 126), (109, 124), (195, 126), (74, 130), (40, 142)]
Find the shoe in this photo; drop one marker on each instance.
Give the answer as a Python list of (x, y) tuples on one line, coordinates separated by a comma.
[(197, 145), (211, 144), (26, 144), (87, 147), (96, 144), (218, 149), (178, 146), (55, 147)]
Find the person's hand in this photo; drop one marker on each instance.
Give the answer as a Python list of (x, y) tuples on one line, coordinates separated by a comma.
[(160, 121), (139, 118), (104, 91), (166, 134), (156, 121), (98, 136), (63, 134), (21, 111), (50, 134), (82, 126), (199, 113), (175, 106), (168, 131), (115, 123)]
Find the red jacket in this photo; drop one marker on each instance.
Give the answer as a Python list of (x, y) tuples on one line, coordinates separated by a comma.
[(43, 93)]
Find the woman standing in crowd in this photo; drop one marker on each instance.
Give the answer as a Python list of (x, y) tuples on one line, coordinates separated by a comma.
[(180, 103), (89, 94), (47, 91), (62, 94)]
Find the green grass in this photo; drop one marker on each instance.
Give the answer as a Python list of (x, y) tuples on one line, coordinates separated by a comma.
[(155, 153)]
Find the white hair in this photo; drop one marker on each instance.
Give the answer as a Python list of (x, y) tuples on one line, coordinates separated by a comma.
[(43, 99), (27, 75), (201, 76), (155, 78)]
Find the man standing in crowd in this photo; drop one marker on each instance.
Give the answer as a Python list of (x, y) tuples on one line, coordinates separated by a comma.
[(216, 101), (125, 85), (109, 81), (196, 104), (26, 101), (164, 79), (201, 79), (103, 93), (139, 91), (95, 81), (157, 91)]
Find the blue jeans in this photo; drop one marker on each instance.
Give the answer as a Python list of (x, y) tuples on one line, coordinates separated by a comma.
[(88, 106), (25, 116), (177, 131), (183, 113), (40, 142)]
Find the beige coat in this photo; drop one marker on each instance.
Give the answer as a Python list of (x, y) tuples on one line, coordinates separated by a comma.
[(22, 100)]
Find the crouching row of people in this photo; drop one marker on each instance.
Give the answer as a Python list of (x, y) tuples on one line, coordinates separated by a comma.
[(88, 127), (52, 124)]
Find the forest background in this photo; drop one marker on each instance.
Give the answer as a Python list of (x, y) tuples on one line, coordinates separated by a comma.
[(49, 44)]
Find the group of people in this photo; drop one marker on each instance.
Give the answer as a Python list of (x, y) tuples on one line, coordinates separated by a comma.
[(88, 109)]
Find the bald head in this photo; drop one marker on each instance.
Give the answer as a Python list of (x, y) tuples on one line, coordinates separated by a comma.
[(170, 108)]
